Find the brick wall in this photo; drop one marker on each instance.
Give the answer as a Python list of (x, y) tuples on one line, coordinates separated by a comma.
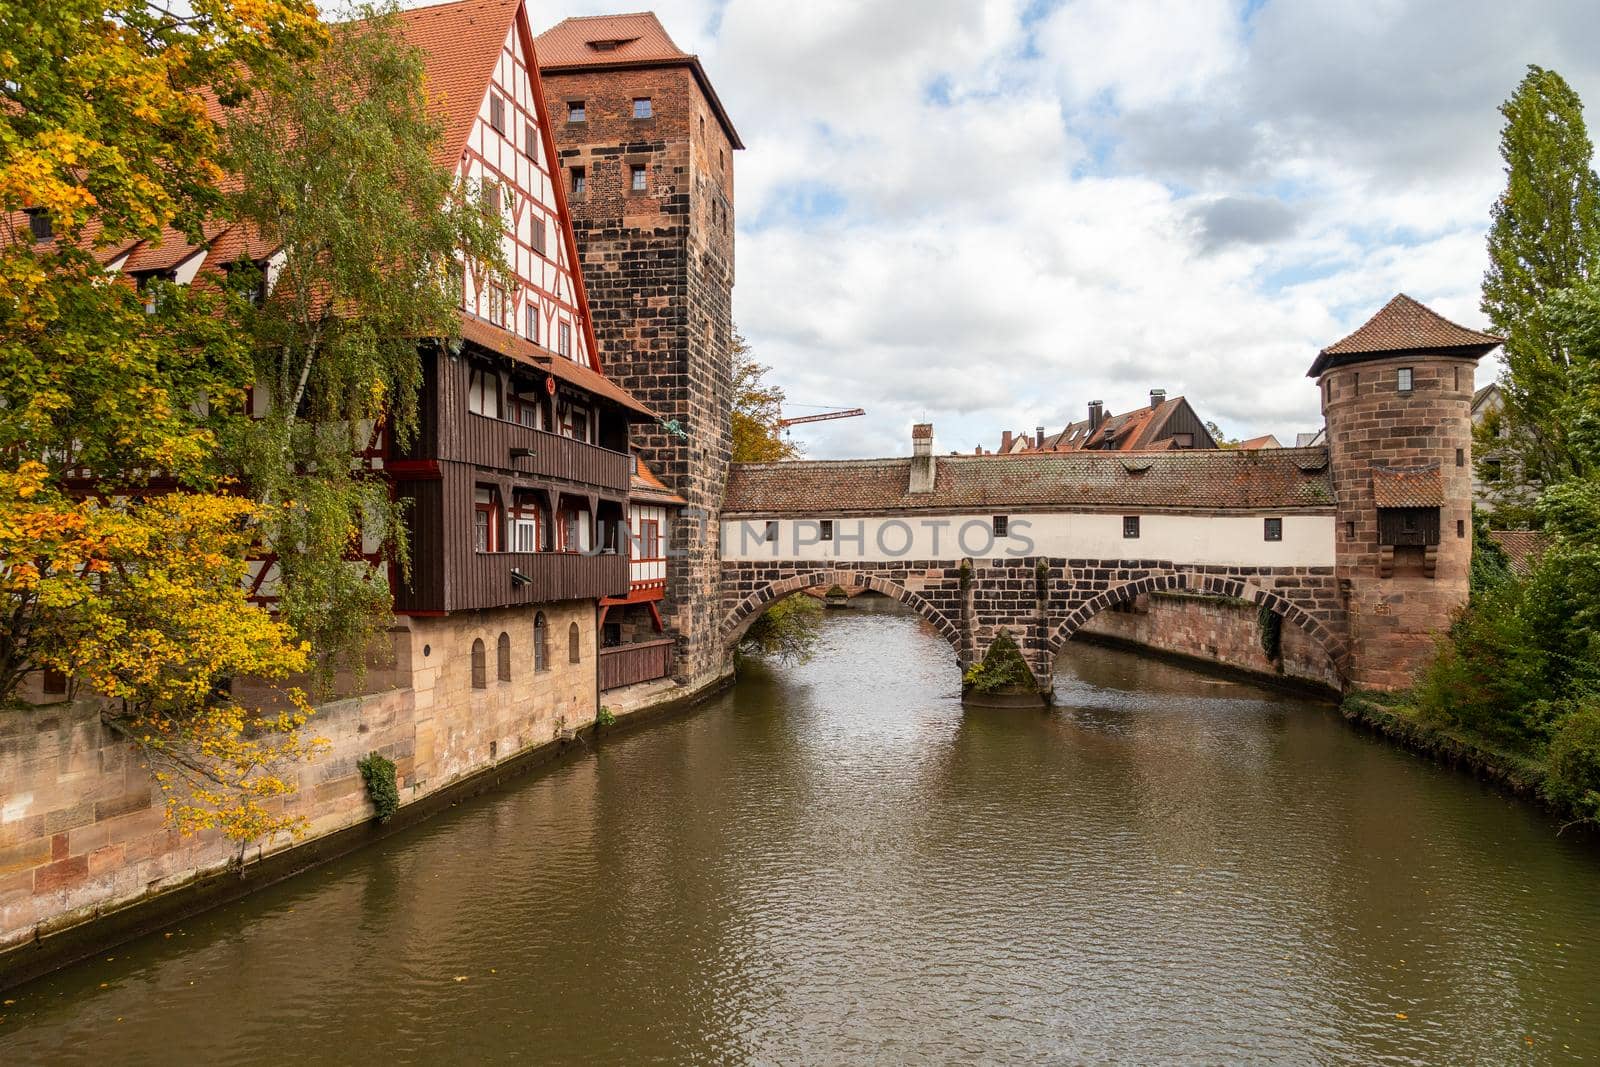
[(81, 820), (1216, 629), (1393, 621), (658, 266)]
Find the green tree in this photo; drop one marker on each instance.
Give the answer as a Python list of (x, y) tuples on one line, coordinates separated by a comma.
[(337, 167), (1544, 238), (757, 407), (786, 631)]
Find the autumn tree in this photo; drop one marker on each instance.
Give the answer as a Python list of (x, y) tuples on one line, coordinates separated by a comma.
[(336, 159), (1544, 238), (757, 407), (121, 543)]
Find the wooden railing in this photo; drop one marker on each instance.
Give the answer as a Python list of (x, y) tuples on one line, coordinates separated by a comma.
[(488, 442), (643, 661), (485, 579)]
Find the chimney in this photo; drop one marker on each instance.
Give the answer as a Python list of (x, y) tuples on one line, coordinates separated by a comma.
[(1097, 414), (1158, 397), (922, 469), (1038, 437), (1005, 442)]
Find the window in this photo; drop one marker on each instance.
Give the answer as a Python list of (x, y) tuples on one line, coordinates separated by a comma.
[(1458, 378), (539, 237), (575, 111), (1491, 470), (611, 637), (1001, 524), (480, 665), (54, 682), (502, 657), (532, 314), (1461, 457), (1272, 530), (1461, 527), (497, 112), (1349, 529), (722, 159), (483, 392), (566, 339), (541, 643), (574, 530), (491, 199), (485, 521), (39, 225), (636, 178), (579, 183), (641, 107), (497, 304), (573, 640), (772, 531), (1130, 526), (1403, 379), (702, 127), (1183, 440), (530, 141), (525, 527), (649, 539), (827, 530)]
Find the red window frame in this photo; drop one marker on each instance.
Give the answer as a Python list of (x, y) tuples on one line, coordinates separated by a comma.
[(521, 512), (649, 541), (491, 512)]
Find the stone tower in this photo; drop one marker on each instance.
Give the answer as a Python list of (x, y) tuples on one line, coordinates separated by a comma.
[(646, 158), (1397, 397)]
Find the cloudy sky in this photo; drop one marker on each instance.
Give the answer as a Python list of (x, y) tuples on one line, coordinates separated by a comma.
[(989, 212)]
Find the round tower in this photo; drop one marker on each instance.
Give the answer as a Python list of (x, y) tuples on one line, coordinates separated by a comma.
[(1397, 398)]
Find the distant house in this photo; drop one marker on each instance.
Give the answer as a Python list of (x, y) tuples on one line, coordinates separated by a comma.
[(1161, 425), (1266, 440), (1312, 439)]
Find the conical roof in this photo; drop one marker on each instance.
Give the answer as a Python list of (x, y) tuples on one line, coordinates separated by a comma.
[(1404, 325)]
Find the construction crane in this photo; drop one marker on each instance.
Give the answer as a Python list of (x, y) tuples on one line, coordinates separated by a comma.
[(846, 413)]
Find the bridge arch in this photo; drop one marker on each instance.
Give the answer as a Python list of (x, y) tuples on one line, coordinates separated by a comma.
[(738, 620), (1237, 588)]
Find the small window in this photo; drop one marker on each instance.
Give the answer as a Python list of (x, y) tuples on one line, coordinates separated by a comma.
[(1272, 530), (532, 325), (530, 141), (566, 339), (827, 530), (480, 665), (54, 682), (497, 305), (1461, 457), (1458, 379), (491, 199), (1130, 526), (497, 112), (702, 127), (40, 227), (573, 640), (541, 643), (575, 111), (722, 159), (502, 657), (1001, 524), (772, 531), (1183, 440), (636, 178), (1403, 379), (580, 183), (641, 107), (539, 237), (1461, 527), (1349, 529), (1491, 470), (649, 540)]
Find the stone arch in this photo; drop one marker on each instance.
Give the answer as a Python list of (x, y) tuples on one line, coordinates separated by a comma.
[(737, 621), (1216, 585)]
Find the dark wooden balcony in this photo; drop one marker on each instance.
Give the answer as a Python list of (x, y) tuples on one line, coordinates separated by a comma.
[(473, 580), (488, 442), (642, 661)]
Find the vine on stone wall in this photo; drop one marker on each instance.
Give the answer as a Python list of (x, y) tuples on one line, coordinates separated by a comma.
[(1269, 627), (377, 771)]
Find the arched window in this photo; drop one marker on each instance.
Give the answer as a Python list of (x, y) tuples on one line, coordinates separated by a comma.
[(572, 643), (541, 643), (480, 665), (502, 657)]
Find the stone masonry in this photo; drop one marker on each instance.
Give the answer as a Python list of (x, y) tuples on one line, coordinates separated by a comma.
[(658, 266)]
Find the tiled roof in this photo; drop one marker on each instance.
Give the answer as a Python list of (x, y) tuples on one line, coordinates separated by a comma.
[(1280, 479), (1408, 487), (600, 42), (1266, 440), (1403, 325), (487, 335), (1522, 547), (645, 486), (461, 43)]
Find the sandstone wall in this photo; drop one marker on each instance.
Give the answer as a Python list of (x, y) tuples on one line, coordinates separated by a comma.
[(81, 827)]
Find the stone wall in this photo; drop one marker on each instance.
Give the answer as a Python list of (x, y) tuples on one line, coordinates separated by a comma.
[(658, 268), (81, 828), (1214, 629)]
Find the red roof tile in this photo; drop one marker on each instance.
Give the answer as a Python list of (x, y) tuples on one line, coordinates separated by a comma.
[(647, 487), (1522, 547), (1279, 479), (487, 335), (1266, 440), (1408, 487), (1403, 325), (462, 43)]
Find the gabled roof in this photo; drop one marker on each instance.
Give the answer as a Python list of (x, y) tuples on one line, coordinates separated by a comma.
[(1132, 431), (1266, 440), (1403, 325), (461, 43), (645, 487), (619, 42), (488, 336), (1277, 479)]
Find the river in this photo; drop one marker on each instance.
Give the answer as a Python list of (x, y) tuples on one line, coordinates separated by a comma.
[(834, 863)]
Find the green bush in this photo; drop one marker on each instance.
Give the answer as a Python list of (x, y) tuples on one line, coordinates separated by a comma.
[(1002, 668), (1574, 761), (787, 631), (1269, 628), (605, 717), (378, 772)]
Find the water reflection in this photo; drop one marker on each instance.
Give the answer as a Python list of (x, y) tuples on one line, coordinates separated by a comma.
[(835, 863)]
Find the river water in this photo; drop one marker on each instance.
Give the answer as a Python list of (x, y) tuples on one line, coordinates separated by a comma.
[(835, 863)]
